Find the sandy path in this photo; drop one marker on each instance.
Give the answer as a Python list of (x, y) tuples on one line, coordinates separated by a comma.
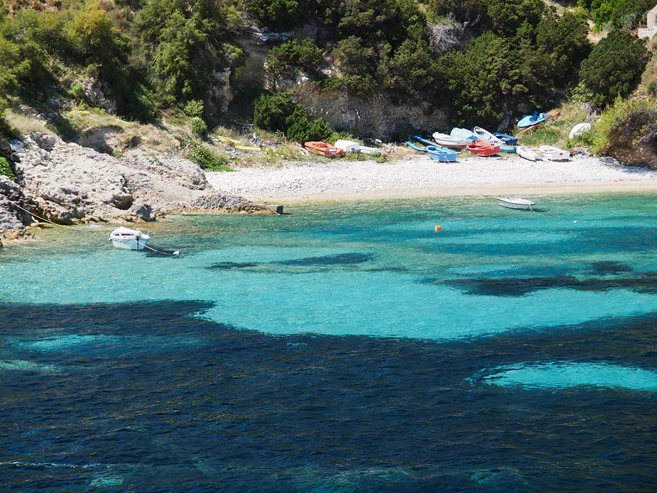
[(422, 177)]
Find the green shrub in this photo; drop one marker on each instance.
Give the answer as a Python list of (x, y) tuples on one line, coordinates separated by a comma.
[(77, 92), (194, 108), (303, 129), (272, 111), (290, 57), (206, 158), (198, 126), (5, 169), (614, 67), (624, 123)]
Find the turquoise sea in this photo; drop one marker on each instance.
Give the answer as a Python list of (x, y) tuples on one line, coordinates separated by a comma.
[(342, 347)]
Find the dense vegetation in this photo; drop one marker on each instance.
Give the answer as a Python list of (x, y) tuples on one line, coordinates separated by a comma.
[(479, 59)]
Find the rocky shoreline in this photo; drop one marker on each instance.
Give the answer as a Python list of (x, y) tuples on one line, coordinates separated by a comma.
[(67, 184)]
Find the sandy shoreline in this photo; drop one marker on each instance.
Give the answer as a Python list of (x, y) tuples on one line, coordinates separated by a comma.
[(423, 177)]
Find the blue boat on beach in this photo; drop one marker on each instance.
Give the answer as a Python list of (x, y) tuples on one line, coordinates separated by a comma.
[(531, 120), (442, 154), (507, 139), (413, 145), (463, 133)]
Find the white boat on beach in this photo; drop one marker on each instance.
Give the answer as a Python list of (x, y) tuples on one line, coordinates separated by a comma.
[(579, 129), (526, 153), (348, 146), (553, 153), (463, 133), (515, 203), (486, 136), (450, 141), (129, 239)]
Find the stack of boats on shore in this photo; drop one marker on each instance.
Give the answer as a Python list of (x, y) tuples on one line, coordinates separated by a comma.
[(446, 147), (481, 142)]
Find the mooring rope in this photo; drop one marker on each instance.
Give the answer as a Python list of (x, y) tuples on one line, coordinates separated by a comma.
[(55, 224)]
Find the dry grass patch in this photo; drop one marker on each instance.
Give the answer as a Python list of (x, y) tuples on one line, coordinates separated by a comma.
[(26, 124)]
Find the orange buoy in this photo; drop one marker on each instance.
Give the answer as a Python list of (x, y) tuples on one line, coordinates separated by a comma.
[(438, 228)]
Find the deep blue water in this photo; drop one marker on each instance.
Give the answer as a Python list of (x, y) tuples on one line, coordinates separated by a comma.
[(341, 348)]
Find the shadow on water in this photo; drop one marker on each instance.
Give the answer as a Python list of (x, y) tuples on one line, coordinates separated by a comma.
[(352, 258), (647, 283), (609, 267), (309, 412)]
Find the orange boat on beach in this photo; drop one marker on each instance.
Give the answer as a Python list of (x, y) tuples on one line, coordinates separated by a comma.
[(323, 149), (482, 148)]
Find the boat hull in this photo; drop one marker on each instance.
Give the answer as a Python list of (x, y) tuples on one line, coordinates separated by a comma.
[(486, 136), (507, 139), (481, 148), (515, 203), (449, 141), (129, 239), (531, 120), (323, 149), (441, 154), (130, 244), (526, 153), (554, 154)]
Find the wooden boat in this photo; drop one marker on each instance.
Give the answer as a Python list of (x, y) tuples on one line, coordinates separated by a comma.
[(442, 154), (526, 153), (531, 120), (554, 154), (507, 139), (580, 128), (481, 148), (515, 203), (486, 136), (463, 133), (446, 140), (323, 149)]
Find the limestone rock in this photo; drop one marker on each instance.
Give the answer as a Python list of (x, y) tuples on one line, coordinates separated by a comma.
[(69, 184)]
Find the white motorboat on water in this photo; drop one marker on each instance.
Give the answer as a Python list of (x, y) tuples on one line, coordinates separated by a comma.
[(515, 203), (553, 153), (526, 153), (129, 239)]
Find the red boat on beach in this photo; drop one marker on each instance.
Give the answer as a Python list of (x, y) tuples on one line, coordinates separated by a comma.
[(323, 149), (483, 148)]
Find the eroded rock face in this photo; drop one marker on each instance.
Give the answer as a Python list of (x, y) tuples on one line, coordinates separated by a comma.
[(11, 216), (376, 116), (68, 184), (643, 153)]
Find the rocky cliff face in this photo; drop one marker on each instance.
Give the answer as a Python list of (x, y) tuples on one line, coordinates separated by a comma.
[(69, 184), (375, 116)]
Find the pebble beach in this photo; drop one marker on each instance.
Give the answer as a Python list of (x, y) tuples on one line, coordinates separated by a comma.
[(420, 176)]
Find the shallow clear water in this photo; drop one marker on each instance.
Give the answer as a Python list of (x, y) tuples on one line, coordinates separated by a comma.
[(342, 347)]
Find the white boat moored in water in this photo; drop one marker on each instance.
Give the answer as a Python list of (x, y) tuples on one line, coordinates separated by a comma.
[(129, 239), (515, 203)]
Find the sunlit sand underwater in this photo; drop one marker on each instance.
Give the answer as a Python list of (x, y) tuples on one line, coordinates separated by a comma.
[(340, 347)]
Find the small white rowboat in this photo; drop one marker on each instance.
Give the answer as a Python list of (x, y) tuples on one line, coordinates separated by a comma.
[(515, 203), (553, 153), (526, 153)]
